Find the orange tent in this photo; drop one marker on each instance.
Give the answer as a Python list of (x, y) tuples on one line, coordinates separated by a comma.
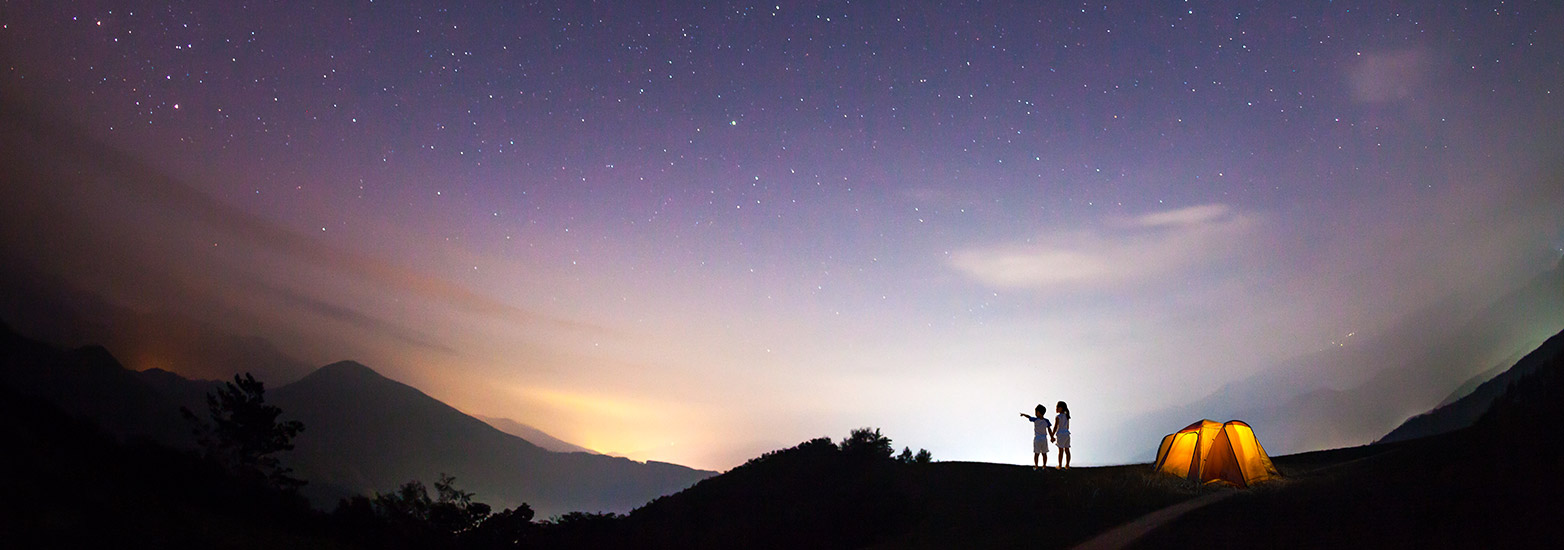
[(1206, 452)]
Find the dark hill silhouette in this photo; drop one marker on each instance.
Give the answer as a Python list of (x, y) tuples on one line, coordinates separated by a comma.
[(182, 391), (88, 382), (816, 495), (1495, 484), (534, 435), (1467, 410), (1355, 394), (368, 433)]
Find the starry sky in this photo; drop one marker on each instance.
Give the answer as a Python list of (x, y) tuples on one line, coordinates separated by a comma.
[(697, 231)]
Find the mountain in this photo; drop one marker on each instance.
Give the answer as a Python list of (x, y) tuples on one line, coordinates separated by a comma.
[(1355, 394), (1467, 410), (1478, 379), (89, 383), (366, 433), (534, 435), (363, 432)]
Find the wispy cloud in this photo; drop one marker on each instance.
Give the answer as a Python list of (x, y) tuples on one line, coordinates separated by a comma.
[(1123, 251), (1382, 77), (96, 165)]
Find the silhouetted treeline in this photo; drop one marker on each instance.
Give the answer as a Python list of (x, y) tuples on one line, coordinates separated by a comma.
[(410, 518)]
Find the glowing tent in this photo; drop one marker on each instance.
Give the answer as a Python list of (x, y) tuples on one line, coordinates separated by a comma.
[(1207, 451)]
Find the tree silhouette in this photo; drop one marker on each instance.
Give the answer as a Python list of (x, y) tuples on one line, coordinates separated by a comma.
[(907, 457), (507, 528), (868, 444), (243, 433), (450, 517)]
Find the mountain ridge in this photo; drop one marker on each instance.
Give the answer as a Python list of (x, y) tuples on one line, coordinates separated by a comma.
[(534, 435), (364, 433), (1356, 395), (1467, 410)]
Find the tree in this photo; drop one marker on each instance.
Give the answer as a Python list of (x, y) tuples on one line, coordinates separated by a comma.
[(906, 455), (243, 433), (451, 514), (923, 457), (454, 511), (507, 528), (868, 443)]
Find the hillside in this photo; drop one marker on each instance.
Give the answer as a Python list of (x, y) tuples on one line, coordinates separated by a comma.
[(534, 435), (365, 432), (89, 383), (1355, 394), (1492, 485), (815, 495), (1467, 410)]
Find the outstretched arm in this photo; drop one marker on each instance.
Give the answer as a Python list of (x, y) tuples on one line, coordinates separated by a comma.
[(1029, 417)]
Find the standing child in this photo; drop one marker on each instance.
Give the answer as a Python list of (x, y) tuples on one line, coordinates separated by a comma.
[(1061, 432), (1040, 435)]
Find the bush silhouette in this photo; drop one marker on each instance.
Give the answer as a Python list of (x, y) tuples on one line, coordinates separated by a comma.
[(411, 518)]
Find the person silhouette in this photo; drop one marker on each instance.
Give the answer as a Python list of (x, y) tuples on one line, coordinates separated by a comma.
[(1040, 435), (1061, 433)]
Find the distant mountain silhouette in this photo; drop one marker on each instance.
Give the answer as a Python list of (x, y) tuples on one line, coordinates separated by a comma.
[(365, 433), (534, 435), (1467, 410), (89, 383), (1357, 393)]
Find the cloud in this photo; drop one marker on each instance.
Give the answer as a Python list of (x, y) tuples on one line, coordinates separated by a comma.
[(87, 167), (1184, 216), (1124, 252), (1384, 77)]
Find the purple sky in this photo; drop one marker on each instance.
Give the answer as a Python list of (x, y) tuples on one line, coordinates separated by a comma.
[(697, 233)]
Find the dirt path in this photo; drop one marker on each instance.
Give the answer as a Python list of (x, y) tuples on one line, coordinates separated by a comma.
[(1123, 535)]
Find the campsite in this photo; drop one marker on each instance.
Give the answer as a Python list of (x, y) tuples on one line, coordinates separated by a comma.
[(587, 274), (1491, 484)]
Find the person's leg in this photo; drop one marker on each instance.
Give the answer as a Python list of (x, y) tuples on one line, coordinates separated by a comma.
[(1066, 457), (1034, 461), (1061, 458)]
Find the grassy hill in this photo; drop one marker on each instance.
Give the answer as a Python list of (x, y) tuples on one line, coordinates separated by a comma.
[(1495, 484)]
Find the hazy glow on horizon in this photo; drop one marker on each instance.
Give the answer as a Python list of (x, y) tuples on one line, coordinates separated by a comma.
[(641, 240)]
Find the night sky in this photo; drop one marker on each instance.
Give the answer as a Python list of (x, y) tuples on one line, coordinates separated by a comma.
[(694, 233)]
